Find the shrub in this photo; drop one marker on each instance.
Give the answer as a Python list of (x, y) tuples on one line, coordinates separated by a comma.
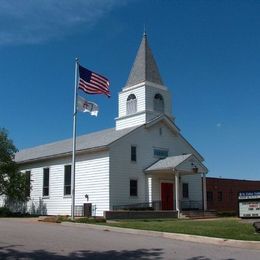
[(5, 212), (227, 214), (62, 218), (90, 220)]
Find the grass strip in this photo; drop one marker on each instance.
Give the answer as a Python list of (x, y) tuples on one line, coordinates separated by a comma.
[(228, 228)]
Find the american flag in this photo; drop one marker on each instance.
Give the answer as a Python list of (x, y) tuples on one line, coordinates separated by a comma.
[(93, 83)]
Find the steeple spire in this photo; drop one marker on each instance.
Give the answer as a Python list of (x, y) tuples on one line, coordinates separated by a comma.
[(144, 67), (144, 97)]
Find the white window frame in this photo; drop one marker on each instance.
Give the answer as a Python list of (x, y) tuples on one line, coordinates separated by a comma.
[(64, 188), (133, 179), (44, 187), (160, 149), (158, 103), (133, 146), (188, 190), (131, 104)]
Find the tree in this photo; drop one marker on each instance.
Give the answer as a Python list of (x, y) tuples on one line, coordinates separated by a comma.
[(13, 184)]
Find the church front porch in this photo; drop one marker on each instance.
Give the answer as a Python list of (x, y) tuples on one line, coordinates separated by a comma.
[(177, 183)]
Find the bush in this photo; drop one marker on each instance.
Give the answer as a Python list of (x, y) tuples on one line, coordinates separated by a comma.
[(62, 218), (5, 212), (226, 214), (90, 220)]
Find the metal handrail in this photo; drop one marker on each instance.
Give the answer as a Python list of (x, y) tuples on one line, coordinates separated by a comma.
[(154, 205), (191, 204)]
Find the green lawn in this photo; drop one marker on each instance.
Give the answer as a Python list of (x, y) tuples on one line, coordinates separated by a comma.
[(230, 228)]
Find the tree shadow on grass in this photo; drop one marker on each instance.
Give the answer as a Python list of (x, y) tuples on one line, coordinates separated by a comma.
[(9, 253)]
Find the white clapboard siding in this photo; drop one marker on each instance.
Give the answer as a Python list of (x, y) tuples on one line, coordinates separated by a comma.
[(2, 201), (195, 186), (145, 106), (105, 175), (133, 120), (140, 96), (150, 93), (194, 182), (92, 178), (122, 169)]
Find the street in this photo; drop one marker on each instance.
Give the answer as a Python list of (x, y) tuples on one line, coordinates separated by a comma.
[(30, 239)]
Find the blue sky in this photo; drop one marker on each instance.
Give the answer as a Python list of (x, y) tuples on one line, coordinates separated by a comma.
[(207, 52)]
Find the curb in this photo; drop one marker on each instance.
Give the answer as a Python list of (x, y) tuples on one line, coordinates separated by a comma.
[(174, 236)]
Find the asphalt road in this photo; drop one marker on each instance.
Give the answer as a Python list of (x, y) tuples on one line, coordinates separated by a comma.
[(29, 239)]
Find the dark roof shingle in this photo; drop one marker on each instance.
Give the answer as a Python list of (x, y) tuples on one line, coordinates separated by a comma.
[(93, 140), (144, 67)]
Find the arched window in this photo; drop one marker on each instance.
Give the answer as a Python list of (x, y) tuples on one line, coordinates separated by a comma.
[(158, 103), (131, 104)]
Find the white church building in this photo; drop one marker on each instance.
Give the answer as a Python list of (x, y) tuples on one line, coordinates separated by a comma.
[(143, 160)]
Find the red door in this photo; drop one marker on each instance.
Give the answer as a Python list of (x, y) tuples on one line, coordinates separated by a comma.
[(167, 196)]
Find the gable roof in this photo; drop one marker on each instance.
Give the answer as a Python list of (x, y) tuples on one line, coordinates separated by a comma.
[(177, 163), (170, 162), (144, 67), (96, 140), (169, 122)]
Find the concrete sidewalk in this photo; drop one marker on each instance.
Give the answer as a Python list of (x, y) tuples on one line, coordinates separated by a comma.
[(174, 236)]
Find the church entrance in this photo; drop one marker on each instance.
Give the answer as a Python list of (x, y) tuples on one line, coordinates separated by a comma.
[(167, 195)]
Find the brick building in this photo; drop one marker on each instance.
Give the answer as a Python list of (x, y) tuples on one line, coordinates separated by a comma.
[(222, 194)]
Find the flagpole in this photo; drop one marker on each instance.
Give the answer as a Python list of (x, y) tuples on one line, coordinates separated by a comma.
[(74, 140)]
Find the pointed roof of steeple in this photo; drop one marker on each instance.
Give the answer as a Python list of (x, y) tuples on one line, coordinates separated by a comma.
[(144, 67)]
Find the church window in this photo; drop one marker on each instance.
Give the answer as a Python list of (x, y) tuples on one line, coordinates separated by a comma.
[(46, 173), (133, 153), (158, 103), (185, 190), (28, 183), (133, 187), (67, 180), (160, 153), (131, 104)]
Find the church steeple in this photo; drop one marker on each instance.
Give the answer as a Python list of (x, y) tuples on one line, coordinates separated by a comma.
[(144, 97), (144, 67)]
